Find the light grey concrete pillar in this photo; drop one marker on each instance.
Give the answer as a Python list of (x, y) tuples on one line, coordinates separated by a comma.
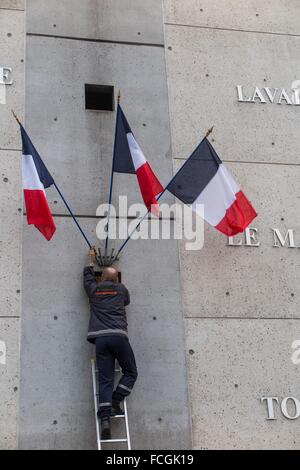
[(118, 43), (12, 41), (241, 303)]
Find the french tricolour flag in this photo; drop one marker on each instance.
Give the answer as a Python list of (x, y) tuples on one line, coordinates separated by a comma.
[(129, 158), (205, 180), (36, 178)]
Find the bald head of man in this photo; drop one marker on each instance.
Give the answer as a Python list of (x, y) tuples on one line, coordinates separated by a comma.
[(110, 274)]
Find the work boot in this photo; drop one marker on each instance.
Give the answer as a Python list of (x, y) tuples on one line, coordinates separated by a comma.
[(105, 429), (116, 409)]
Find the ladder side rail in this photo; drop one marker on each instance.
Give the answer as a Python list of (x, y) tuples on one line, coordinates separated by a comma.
[(96, 404), (127, 425)]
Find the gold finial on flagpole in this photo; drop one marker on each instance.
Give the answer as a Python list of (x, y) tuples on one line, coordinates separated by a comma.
[(119, 97), (209, 131), (16, 117)]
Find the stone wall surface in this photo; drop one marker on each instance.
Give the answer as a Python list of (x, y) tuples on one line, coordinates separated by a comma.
[(241, 303), (12, 45), (88, 46), (213, 330)]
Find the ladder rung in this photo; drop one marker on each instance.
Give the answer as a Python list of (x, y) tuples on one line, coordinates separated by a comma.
[(117, 416), (116, 370), (115, 440)]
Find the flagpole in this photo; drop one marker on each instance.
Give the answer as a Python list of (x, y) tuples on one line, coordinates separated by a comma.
[(61, 195), (16, 117), (171, 181), (72, 215), (112, 178)]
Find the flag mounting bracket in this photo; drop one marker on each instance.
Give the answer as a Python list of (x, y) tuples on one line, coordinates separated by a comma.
[(105, 260)]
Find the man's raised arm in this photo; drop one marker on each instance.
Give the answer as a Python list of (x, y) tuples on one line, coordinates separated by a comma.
[(89, 279)]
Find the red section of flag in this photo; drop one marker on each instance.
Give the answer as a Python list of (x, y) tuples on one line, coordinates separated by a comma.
[(38, 212), (149, 185), (239, 215)]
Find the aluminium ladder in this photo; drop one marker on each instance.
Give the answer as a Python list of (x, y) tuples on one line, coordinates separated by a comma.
[(96, 401)]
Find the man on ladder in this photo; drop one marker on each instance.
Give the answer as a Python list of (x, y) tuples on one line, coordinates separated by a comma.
[(108, 331)]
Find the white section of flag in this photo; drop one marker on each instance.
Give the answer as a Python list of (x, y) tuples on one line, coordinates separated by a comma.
[(138, 157), (30, 175), (217, 196)]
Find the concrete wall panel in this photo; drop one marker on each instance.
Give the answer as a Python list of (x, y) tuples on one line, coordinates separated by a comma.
[(117, 20), (9, 379), (56, 380), (77, 144), (234, 364), (12, 53), (12, 97), (12, 4), (77, 147), (244, 281), (10, 233), (279, 16), (206, 66)]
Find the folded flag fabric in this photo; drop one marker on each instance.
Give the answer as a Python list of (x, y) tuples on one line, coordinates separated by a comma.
[(36, 178), (205, 180), (129, 158)]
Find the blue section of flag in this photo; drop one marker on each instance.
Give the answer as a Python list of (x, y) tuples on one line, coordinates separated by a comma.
[(29, 149), (196, 173), (122, 156)]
